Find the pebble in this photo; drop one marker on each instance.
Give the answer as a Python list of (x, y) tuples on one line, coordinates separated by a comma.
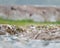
[(49, 31)]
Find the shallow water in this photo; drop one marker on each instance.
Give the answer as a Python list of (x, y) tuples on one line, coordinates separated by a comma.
[(14, 42)]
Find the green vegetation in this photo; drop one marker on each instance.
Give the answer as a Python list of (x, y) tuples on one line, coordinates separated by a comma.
[(25, 22)]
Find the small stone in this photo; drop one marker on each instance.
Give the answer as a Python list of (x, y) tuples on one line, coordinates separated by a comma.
[(2, 33)]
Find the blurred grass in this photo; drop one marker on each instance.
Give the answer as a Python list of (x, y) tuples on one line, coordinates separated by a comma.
[(25, 22)]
